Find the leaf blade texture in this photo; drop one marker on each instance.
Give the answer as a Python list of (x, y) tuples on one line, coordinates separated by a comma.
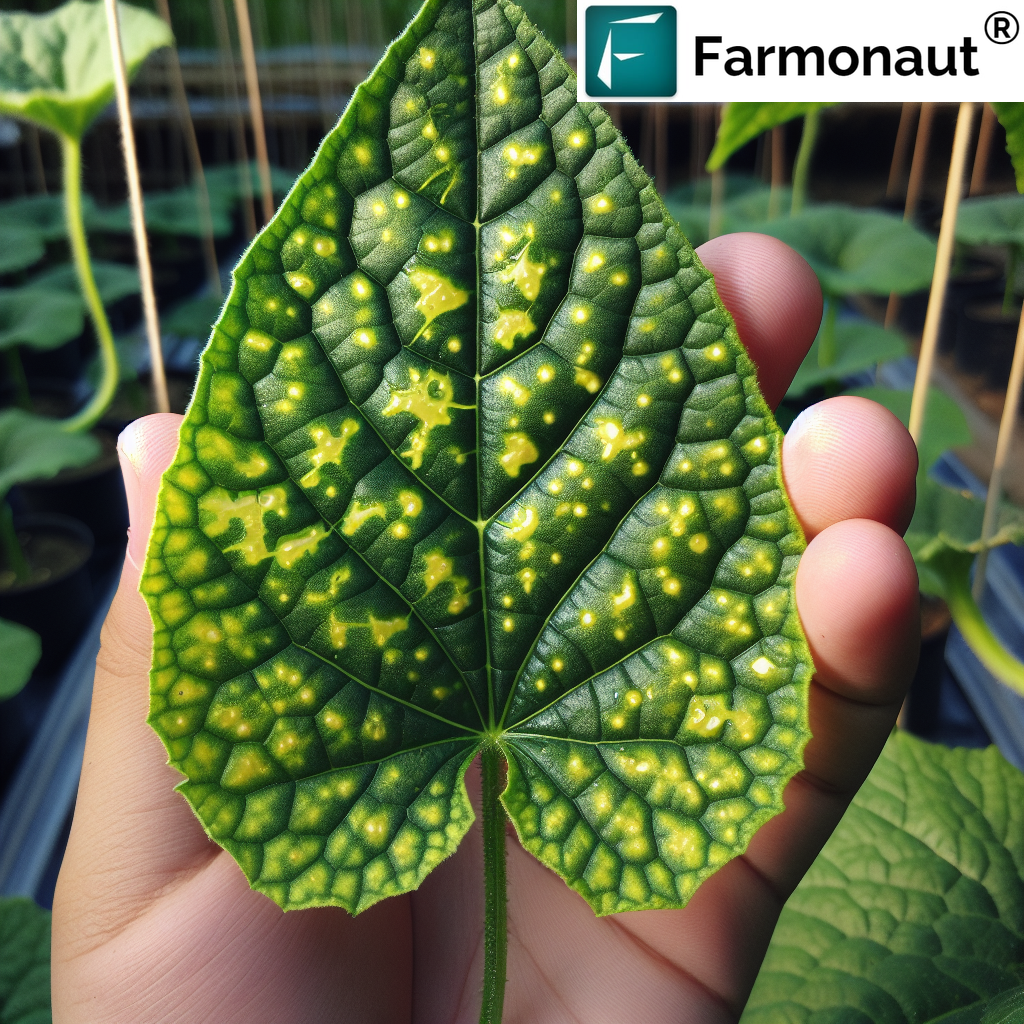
[(24, 962), (476, 455), (915, 907)]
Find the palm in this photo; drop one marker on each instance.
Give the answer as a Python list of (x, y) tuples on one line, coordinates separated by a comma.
[(153, 921)]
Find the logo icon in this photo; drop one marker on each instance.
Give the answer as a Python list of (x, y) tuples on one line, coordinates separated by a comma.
[(631, 51), (1001, 27)]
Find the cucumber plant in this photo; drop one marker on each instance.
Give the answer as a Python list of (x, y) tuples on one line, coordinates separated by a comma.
[(476, 464)]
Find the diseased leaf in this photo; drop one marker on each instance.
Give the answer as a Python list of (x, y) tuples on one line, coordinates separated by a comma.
[(744, 122), (859, 345), (915, 907), (476, 456), (19, 652), (42, 319), (55, 68), (24, 962), (1011, 117), (858, 251), (34, 447)]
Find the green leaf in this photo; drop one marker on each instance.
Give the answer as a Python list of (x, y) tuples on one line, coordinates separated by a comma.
[(859, 251), (38, 318), (945, 425), (113, 280), (34, 447), (744, 122), (170, 213), (1011, 117), (20, 247), (55, 68), (24, 962), (476, 461), (19, 652), (1007, 1008), (193, 318), (43, 214), (224, 182), (746, 206), (915, 907), (859, 345), (991, 220)]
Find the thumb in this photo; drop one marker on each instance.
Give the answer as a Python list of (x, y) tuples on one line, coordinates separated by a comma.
[(132, 834)]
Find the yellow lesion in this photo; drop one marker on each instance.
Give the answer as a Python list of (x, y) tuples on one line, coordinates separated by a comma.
[(588, 379), (329, 449), (708, 714), (248, 509), (293, 547), (519, 393), (627, 597), (411, 502), (519, 451), (428, 398), (525, 274), (380, 629), (524, 522), (512, 324), (437, 295), (615, 438), (439, 568), (358, 514)]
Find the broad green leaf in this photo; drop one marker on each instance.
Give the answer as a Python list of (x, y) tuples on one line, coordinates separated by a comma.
[(746, 206), (945, 425), (1006, 1008), (113, 280), (859, 345), (42, 319), (744, 122), (169, 213), (34, 447), (193, 318), (55, 68), (43, 214), (991, 220), (24, 962), (1011, 117), (224, 182), (20, 247), (476, 455), (858, 251), (915, 907), (19, 652)]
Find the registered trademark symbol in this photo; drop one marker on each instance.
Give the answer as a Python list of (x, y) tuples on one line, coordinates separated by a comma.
[(1001, 27)]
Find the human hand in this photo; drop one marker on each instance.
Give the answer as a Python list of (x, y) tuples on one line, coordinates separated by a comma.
[(154, 922)]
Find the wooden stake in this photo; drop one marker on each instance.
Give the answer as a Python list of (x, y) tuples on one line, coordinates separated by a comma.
[(131, 168), (899, 152), (1007, 423), (252, 87), (940, 277), (985, 134), (227, 58), (195, 160)]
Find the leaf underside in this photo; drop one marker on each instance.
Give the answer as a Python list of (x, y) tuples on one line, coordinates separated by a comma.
[(915, 907), (476, 455)]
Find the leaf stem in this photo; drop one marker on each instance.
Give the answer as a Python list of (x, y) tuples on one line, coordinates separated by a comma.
[(495, 899), (10, 546), (85, 418), (802, 166), (955, 570)]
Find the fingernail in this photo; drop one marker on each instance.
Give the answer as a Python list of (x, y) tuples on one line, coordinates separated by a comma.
[(130, 457)]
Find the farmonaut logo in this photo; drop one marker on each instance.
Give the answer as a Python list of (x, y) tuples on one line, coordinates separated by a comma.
[(631, 51)]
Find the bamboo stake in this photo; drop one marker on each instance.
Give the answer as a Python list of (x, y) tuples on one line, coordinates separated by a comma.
[(194, 158), (917, 167), (227, 58), (1007, 423), (940, 277), (981, 154), (131, 168), (899, 151), (252, 86)]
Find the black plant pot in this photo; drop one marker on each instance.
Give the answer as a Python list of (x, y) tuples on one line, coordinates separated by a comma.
[(58, 602), (985, 339), (93, 494)]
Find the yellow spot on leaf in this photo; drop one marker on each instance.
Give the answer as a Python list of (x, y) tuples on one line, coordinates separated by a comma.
[(248, 509), (512, 324), (329, 449), (437, 295), (428, 399), (519, 451)]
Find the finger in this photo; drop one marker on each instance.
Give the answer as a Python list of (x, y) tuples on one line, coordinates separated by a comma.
[(864, 647), (775, 299), (849, 458), (129, 825)]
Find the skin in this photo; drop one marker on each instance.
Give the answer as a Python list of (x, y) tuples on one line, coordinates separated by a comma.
[(152, 921)]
